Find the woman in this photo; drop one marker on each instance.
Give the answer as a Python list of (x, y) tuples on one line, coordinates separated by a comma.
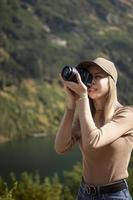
[(103, 129)]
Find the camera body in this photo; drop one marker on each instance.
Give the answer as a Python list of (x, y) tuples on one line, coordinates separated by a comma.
[(68, 73)]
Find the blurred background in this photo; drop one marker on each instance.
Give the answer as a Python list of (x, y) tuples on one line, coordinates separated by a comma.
[(37, 39)]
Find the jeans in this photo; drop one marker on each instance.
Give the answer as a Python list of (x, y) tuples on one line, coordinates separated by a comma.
[(121, 195)]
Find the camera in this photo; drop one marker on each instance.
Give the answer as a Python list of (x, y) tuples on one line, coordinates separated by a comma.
[(68, 73)]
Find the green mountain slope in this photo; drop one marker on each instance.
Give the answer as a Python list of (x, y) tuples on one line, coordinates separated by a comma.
[(39, 37)]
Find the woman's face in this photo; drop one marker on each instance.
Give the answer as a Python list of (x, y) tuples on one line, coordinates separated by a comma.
[(99, 87)]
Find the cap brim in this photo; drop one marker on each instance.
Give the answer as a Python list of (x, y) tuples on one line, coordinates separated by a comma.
[(87, 64)]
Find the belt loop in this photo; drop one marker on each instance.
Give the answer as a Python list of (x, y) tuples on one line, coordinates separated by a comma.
[(98, 189), (125, 181), (82, 187)]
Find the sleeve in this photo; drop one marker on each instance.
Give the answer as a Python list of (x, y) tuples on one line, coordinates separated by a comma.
[(67, 138), (121, 124), (76, 132)]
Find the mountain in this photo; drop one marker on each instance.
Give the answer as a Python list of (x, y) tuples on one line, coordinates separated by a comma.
[(39, 37)]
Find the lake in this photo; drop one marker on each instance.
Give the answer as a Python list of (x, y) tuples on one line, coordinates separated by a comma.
[(35, 154)]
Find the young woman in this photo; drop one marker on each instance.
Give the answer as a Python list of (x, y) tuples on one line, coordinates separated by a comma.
[(103, 129)]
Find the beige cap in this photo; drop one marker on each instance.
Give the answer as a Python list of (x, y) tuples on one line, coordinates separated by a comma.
[(105, 64)]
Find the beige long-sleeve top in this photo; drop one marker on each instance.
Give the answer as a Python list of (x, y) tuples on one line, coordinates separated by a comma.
[(106, 150)]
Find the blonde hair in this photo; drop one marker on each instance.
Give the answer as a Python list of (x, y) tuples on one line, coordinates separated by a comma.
[(110, 102)]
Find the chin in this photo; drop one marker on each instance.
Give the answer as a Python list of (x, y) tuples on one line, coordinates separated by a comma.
[(94, 97)]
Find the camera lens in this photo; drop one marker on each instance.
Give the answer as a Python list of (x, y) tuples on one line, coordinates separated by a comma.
[(69, 73), (66, 72)]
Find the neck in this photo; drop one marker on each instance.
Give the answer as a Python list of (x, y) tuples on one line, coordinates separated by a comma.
[(99, 104)]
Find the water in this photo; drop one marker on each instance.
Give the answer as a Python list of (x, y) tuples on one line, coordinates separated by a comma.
[(35, 154)]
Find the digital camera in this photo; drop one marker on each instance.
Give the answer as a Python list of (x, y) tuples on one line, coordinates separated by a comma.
[(68, 73)]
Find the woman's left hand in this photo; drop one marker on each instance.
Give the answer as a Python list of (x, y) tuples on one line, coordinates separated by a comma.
[(79, 88)]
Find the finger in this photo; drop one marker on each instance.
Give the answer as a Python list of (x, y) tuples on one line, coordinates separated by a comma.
[(60, 76), (67, 90), (70, 84), (78, 78), (62, 80)]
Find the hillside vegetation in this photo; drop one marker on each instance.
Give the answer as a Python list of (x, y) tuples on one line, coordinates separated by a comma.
[(39, 37)]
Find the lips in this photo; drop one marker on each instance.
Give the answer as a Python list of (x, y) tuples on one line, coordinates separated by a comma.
[(92, 89)]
